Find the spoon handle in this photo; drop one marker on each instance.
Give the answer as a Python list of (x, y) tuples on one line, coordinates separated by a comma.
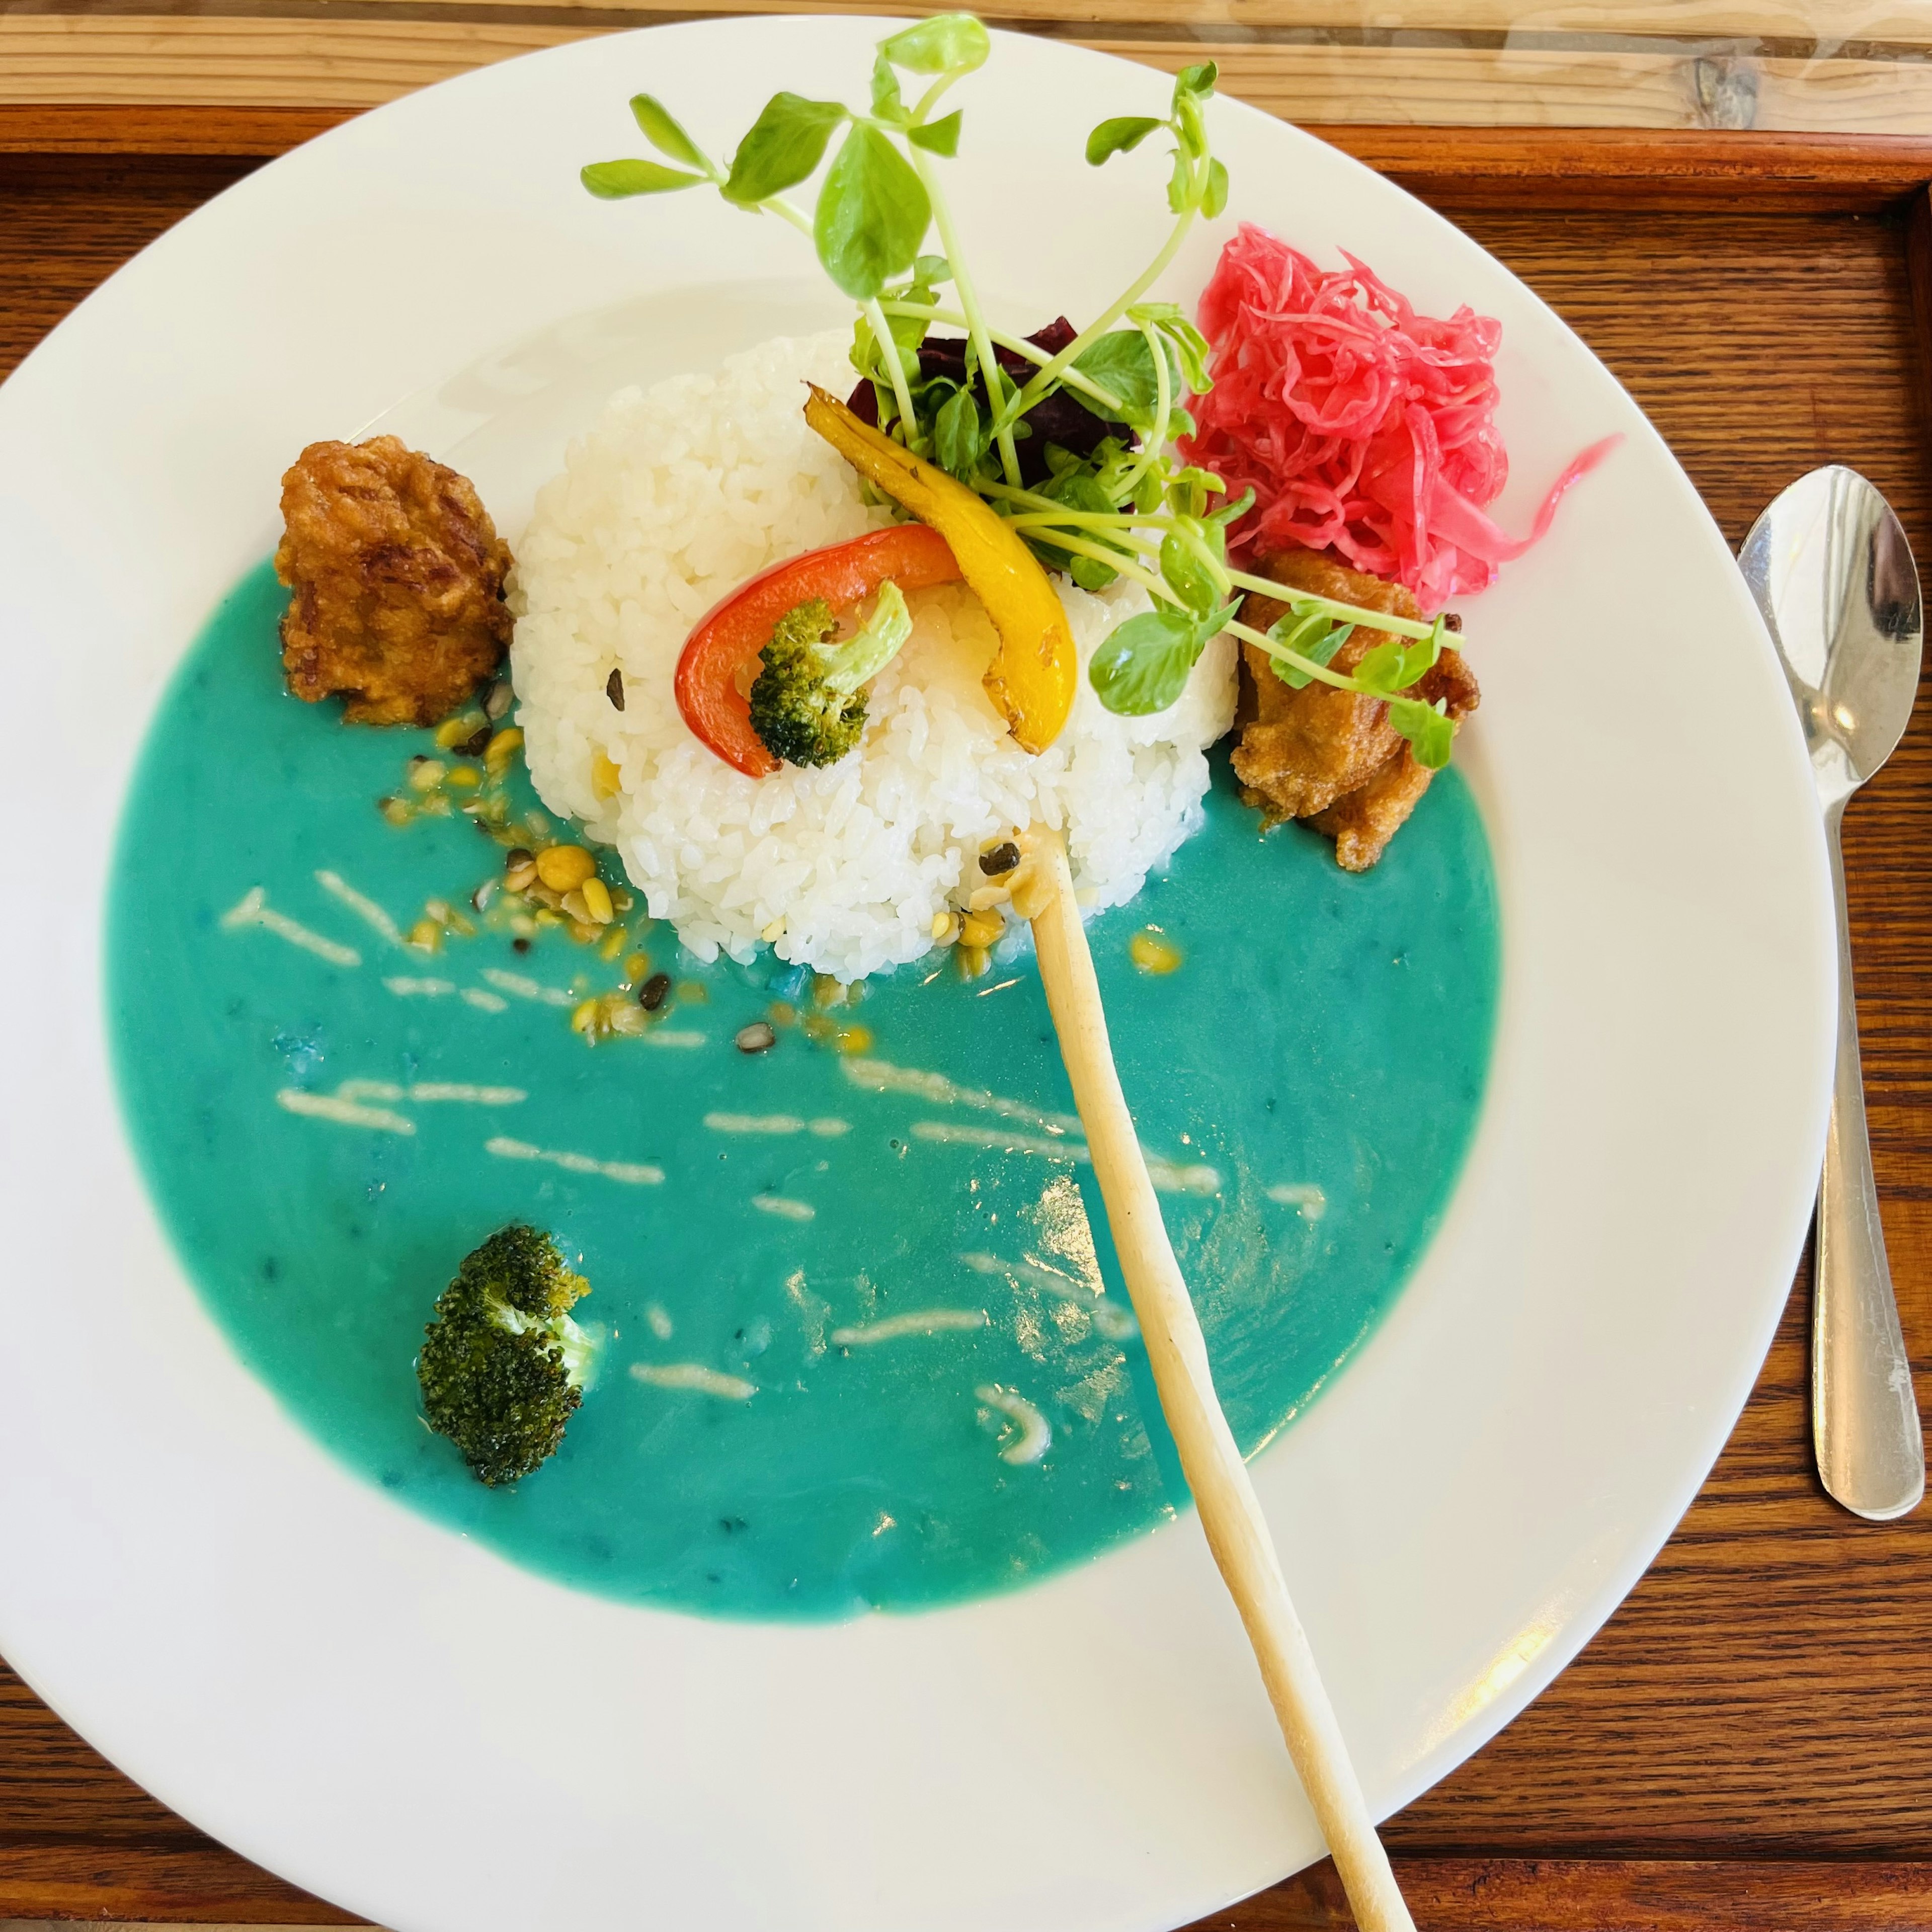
[(1865, 1413)]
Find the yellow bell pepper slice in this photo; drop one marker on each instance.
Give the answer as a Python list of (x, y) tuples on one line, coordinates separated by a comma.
[(1032, 678)]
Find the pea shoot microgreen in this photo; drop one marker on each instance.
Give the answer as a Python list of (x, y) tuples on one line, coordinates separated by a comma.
[(1124, 507)]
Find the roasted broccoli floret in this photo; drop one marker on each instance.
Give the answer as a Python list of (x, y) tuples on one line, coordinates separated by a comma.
[(807, 704), (503, 1366)]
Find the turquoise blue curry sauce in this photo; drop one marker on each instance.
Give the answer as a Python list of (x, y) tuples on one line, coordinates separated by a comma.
[(1322, 1049)]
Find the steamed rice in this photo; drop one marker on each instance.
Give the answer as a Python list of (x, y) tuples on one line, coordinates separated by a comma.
[(676, 497)]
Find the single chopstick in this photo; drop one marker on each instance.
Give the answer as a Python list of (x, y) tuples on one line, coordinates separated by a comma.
[(1238, 1532)]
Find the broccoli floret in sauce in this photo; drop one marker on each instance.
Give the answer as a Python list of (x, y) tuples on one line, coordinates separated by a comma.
[(503, 1366), (808, 703)]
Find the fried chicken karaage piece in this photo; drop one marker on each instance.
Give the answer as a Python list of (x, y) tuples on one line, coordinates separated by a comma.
[(398, 576), (1328, 757)]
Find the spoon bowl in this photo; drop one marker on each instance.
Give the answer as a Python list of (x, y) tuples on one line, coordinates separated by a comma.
[(1832, 572)]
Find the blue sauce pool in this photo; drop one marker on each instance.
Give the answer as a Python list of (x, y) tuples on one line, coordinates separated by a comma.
[(897, 1252)]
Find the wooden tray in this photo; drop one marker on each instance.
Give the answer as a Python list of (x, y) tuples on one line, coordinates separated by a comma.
[(1748, 1742)]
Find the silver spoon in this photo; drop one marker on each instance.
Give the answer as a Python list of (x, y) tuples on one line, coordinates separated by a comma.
[(1833, 575)]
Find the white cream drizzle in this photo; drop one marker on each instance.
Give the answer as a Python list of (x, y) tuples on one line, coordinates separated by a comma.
[(957, 1133), (696, 1377), (880, 1076), (1038, 1272), (363, 908), (1112, 1321), (923, 1321), (1304, 1196), (253, 909), (826, 1129), (1036, 1435), (405, 988), (345, 1113), (519, 987), (432, 1091), (1174, 1177), (784, 1207), (1170, 1177), (353, 1102), (637, 1174)]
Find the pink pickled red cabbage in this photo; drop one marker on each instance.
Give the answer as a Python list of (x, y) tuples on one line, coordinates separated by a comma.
[(1363, 428)]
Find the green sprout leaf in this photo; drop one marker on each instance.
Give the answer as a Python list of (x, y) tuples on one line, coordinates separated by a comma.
[(1142, 666), (1187, 575), (1394, 666), (959, 437), (1229, 512), (1123, 364), (786, 141), (1214, 198), (663, 132), (1188, 489), (873, 213), (1431, 735), (908, 332), (947, 43), (1312, 634), (616, 180), (1189, 125), (887, 103), (1180, 182), (1196, 82), (1120, 136), (1188, 343), (1076, 485), (938, 137), (1382, 670)]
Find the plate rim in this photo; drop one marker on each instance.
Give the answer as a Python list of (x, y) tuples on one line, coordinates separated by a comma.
[(1584, 1618)]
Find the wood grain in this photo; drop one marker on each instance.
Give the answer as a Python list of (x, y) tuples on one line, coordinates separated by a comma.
[(1748, 1742), (51, 59), (1824, 29), (1604, 168)]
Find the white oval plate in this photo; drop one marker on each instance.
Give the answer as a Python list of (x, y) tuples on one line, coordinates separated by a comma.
[(404, 1722)]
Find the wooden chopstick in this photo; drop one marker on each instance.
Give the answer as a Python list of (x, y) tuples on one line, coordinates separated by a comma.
[(1238, 1532)]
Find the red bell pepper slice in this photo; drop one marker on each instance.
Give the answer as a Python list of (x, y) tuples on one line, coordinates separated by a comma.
[(733, 633)]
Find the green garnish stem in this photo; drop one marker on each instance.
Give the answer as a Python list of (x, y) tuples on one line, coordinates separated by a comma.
[(1019, 344), (1043, 513), (969, 301), (1155, 446), (889, 348), (901, 390), (1342, 613), (1036, 385), (1157, 587)]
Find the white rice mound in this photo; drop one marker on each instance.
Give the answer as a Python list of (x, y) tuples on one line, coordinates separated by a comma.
[(678, 495)]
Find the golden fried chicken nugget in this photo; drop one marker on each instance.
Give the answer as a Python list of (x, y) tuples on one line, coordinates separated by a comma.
[(1331, 757), (398, 576)]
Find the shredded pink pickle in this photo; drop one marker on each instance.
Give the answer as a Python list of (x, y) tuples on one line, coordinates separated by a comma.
[(1362, 427)]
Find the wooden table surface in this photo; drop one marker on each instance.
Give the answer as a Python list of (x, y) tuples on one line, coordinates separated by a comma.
[(1748, 1742)]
